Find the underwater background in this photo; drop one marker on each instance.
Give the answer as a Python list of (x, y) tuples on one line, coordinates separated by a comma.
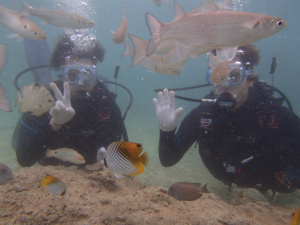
[(141, 121)]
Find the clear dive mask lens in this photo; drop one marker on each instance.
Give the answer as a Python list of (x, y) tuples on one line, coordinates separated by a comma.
[(236, 75), (74, 74)]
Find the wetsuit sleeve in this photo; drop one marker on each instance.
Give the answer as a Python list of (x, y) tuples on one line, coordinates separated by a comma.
[(172, 146), (32, 137)]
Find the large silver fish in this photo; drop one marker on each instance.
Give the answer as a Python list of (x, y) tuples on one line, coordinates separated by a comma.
[(212, 30), (121, 33), (20, 25), (4, 102), (57, 18), (151, 62)]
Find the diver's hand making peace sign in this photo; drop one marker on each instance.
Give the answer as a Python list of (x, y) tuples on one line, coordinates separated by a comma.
[(166, 114), (62, 112)]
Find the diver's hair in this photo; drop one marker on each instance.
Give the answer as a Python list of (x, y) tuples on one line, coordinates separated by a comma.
[(70, 46), (248, 55)]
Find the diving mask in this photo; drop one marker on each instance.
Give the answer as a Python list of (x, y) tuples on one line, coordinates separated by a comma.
[(236, 75), (75, 74)]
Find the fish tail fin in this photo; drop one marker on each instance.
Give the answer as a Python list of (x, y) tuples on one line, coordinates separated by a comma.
[(143, 159), (203, 189), (154, 27), (123, 8), (139, 45), (128, 50), (26, 9)]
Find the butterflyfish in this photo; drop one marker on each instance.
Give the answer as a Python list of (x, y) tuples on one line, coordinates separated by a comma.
[(184, 191), (296, 217), (66, 155), (125, 158), (53, 185), (5, 173)]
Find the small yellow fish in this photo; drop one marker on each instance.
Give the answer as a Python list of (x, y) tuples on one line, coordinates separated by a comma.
[(66, 155), (36, 99), (296, 217), (53, 184), (125, 158), (121, 33)]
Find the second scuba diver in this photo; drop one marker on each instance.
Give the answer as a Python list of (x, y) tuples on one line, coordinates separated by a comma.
[(249, 138)]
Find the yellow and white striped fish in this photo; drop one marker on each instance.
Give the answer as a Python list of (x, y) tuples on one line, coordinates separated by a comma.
[(125, 158), (53, 185)]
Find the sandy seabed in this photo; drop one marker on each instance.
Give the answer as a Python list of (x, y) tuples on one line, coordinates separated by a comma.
[(96, 196)]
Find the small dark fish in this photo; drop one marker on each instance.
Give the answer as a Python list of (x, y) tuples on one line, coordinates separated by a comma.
[(184, 191), (273, 65), (5, 173)]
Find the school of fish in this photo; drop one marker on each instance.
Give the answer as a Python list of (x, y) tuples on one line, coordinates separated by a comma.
[(189, 35)]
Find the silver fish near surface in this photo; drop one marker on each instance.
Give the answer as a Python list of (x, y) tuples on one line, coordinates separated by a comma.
[(121, 33), (57, 18), (213, 29), (4, 102), (5, 173), (184, 191), (20, 25)]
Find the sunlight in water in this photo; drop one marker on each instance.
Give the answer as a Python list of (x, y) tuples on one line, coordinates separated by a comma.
[(238, 4), (83, 8)]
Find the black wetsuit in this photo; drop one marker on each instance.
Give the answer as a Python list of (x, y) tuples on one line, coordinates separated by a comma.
[(247, 147), (97, 123)]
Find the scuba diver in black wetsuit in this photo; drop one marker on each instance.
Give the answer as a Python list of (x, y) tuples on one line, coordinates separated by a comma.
[(85, 118), (247, 137)]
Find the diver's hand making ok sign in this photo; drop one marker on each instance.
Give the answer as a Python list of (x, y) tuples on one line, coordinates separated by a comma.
[(166, 114), (62, 112)]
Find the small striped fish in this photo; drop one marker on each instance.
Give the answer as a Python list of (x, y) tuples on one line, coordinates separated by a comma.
[(125, 158)]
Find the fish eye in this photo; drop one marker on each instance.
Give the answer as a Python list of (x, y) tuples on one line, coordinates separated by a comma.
[(25, 26), (35, 33), (279, 23), (174, 71), (138, 145)]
